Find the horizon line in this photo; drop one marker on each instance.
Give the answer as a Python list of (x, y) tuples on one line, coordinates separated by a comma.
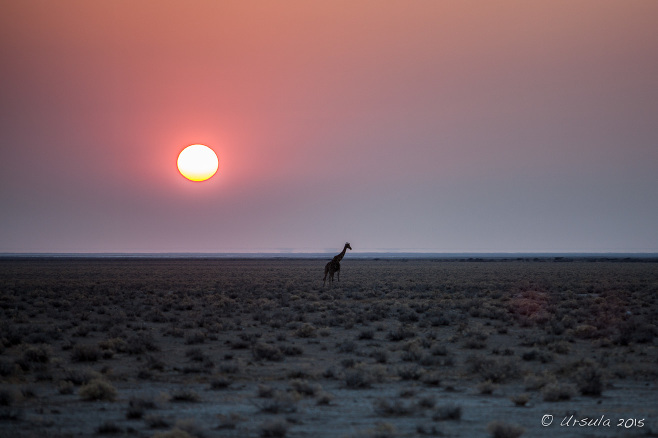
[(313, 254)]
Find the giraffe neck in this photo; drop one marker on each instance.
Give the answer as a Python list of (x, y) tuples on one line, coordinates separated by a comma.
[(340, 256)]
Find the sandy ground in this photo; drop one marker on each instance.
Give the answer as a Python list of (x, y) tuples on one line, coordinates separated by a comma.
[(404, 348)]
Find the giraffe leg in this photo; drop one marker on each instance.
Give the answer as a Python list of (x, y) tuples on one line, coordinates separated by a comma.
[(326, 271)]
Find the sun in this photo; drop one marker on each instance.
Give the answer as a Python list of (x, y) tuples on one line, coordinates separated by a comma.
[(197, 162)]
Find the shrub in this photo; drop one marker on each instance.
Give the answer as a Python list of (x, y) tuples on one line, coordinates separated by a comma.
[(347, 347), (427, 402), (291, 350), (393, 408), (305, 331), (7, 397), (274, 428), (447, 412), (281, 402), (85, 353), (98, 389), (262, 351), (400, 333), (265, 391), (487, 387), (412, 372), (535, 382), (366, 334), (156, 422), (173, 433), (184, 395), (304, 388), (432, 378), (589, 381), (495, 369), (229, 421), (66, 387), (138, 344), (80, 377), (520, 399), (137, 406), (195, 338), (499, 429), (195, 354), (220, 383), (558, 392), (324, 398), (358, 379), (109, 428), (380, 355), (37, 354)]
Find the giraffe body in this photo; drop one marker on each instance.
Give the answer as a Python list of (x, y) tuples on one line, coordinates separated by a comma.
[(333, 267)]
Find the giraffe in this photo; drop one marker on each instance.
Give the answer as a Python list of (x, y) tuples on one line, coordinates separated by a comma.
[(333, 266)]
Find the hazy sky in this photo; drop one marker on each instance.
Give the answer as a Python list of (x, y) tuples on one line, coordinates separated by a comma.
[(450, 126)]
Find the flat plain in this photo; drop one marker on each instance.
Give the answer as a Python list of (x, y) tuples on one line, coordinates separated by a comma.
[(259, 348)]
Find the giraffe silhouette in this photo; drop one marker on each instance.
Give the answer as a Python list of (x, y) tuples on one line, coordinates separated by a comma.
[(333, 267)]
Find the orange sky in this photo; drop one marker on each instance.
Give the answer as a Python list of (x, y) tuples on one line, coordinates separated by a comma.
[(416, 125)]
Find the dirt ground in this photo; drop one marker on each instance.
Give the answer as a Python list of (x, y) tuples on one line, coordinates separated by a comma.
[(259, 348)]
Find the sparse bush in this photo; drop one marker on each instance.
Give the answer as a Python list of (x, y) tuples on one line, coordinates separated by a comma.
[(274, 428), (66, 387), (447, 412), (347, 347), (108, 428), (358, 379), (185, 395), (324, 398), (400, 333), (118, 345), (80, 376), (7, 397), (173, 433), (291, 350), (496, 369), (427, 402), (37, 354), (432, 378), (229, 421), (197, 337), (156, 422), (554, 392), (195, 354), (366, 334), (305, 388), (380, 355), (98, 389), (499, 429), (589, 380), (281, 402), (305, 331), (262, 351), (536, 382), (520, 399), (395, 408), (139, 344), (412, 372), (265, 391), (487, 387), (541, 356), (137, 406), (220, 383), (85, 353)]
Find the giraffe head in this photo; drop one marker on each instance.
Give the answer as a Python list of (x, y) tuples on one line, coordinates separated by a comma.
[(347, 245)]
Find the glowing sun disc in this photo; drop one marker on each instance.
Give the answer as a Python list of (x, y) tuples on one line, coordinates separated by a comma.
[(197, 162)]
